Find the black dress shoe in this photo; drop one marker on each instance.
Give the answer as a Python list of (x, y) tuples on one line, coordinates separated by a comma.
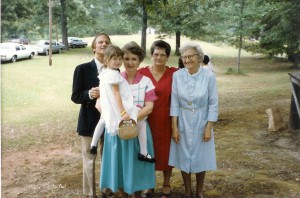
[(142, 157), (93, 150)]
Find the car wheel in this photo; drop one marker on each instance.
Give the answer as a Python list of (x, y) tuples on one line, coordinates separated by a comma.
[(59, 51), (47, 53), (14, 59), (31, 55)]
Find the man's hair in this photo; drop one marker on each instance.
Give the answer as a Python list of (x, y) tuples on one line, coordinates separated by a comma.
[(97, 35)]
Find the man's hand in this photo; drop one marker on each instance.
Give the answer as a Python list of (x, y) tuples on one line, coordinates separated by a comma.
[(95, 93)]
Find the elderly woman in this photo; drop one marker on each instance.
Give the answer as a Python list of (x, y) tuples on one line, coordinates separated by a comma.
[(159, 119), (194, 109)]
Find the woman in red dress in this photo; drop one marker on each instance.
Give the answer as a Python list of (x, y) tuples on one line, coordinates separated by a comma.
[(159, 120)]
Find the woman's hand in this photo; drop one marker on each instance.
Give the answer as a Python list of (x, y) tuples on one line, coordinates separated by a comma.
[(175, 135), (207, 132)]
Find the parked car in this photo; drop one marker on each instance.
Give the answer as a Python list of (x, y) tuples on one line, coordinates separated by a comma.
[(14, 51), (42, 47), (76, 42), (19, 39), (70, 38), (63, 47)]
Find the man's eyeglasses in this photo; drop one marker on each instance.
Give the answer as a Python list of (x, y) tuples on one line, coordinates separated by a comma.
[(188, 57)]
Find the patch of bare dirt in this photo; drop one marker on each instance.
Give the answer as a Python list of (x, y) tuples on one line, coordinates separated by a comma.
[(34, 172)]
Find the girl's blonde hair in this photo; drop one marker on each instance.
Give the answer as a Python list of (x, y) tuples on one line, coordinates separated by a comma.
[(111, 51)]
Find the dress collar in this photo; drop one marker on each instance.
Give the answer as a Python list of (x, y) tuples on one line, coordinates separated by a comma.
[(138, 77)]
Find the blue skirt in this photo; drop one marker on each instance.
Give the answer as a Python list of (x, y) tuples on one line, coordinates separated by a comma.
[(120, 167)]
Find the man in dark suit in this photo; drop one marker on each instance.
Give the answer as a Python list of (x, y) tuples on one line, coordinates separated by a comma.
[(85, 91)]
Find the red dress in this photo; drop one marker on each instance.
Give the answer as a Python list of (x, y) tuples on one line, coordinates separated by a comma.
[(159, 120)]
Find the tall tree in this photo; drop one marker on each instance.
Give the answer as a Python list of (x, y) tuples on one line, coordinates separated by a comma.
[(141, 11), (236, 20), (280, 32), (16, 17), (64, 29), (144, 24), (240, 32), (180, 17)]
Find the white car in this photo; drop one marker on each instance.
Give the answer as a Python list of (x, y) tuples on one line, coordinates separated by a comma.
[(14, 51)]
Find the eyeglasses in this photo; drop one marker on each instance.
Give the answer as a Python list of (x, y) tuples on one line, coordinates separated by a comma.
[(188, 57)]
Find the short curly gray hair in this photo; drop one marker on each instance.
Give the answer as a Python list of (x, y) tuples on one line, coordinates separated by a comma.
[(192, 45)]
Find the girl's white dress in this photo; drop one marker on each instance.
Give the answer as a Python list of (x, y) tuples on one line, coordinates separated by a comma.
[(110, 110)]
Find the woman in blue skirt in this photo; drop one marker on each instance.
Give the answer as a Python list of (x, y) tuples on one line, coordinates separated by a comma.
[(121, 170)]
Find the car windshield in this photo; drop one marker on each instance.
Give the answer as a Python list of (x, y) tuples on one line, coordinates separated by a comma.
[(43, 43)]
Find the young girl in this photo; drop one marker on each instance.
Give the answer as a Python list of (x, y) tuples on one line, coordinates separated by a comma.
[(117, 101)]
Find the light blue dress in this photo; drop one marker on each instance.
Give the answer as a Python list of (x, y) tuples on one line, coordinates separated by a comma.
[(120, 167), (195, 102)]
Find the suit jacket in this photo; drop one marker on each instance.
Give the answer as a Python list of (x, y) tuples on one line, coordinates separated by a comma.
[(85, 77)]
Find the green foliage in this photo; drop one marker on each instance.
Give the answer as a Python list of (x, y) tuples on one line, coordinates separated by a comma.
[(15, 17), (274, 23), (281, 33), (139, 12), (84, 18), (180, 16)]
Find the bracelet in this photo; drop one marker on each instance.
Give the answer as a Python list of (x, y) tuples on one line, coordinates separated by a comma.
[(123, 113)]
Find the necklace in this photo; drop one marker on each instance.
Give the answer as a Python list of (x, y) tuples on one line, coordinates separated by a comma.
[(190, 101)]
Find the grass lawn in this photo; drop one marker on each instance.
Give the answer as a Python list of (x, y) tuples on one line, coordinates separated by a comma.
[(41, 150)]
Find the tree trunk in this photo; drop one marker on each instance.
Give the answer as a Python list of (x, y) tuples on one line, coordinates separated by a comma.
[(64, 29), (56, 31), (144, 26), (239, 53), (241, 36), (295, 59), (50, 32), (178, 33)]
